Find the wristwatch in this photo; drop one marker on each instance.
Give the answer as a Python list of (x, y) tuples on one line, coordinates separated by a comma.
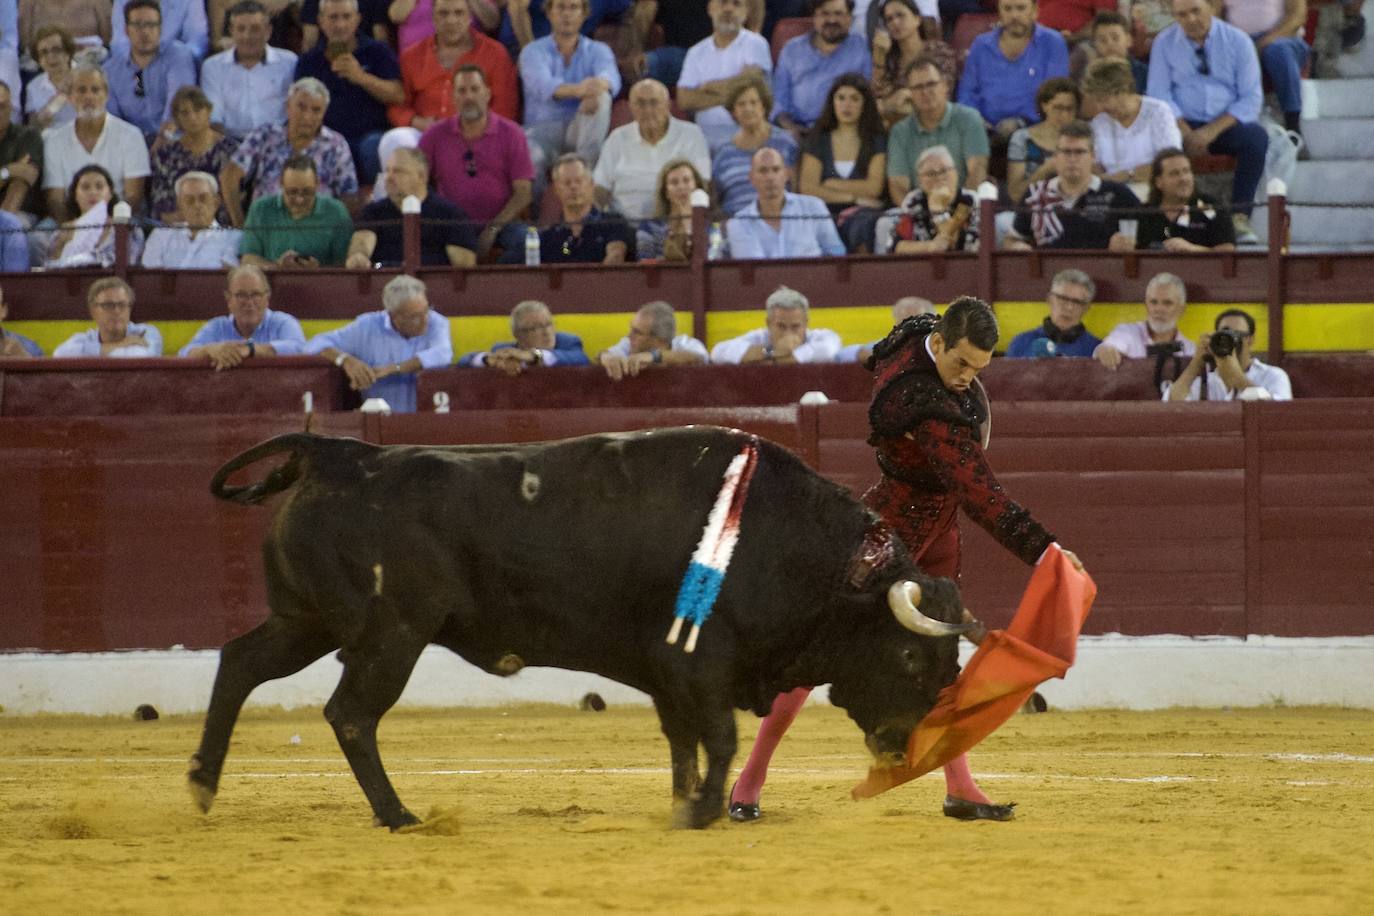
[(656, 354), (5, 174), (252, 348), (768, 351)]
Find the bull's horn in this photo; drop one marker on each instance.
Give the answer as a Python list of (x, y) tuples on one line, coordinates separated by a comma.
[(903, 597)]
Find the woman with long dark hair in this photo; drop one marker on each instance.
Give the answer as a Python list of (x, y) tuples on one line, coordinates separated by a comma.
[(86, 238), (844, 160)]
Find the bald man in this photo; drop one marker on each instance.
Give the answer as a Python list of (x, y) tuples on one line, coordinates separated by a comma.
[(780, 224), (903, 308), (626, 175)]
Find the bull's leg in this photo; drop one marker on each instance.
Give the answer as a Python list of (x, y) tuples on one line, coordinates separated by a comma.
[(276, 649), (682, 745), (719, 741)]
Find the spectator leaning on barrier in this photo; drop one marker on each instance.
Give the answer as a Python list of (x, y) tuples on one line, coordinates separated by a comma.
[(779, 224), (428, 68), (96, 136), (194, 239), (1006, 66), (1236, 372), (21, 161), (586, 233), (935, 121), (938, 215), (717, 65), (251, 330), (785, 337), (12, 345), (144, 74), (653, 341), (247, 85), (1166, 299), (110, 301), (536, 343), (627, 173), (298, 227), (809, 64), (382, 352), (1177, 217), (904, 308), (446, 236), (1062, 332)]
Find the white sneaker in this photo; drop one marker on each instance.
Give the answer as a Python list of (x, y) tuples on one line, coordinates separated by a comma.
[(1245, 235)]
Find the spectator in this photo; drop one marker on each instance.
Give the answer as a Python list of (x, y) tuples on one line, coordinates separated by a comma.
[(569, 82), (199, 148), (1112, 40), (525, 21), (1007, 65), (247, 85), (261, 156), (363, 78), (87, 238), (87, 21), (653, 341), (1166, 299), (446, 236), (96, 136), (809, 65), (1074, 209), (779, 224), (21, 162), (373, 22), (1178, 218), (1030, 152), (938, 215), (1130, 128), (896, 49), (250, 330), (195, 239), (716, 66), (1208, 72), (46, 102), (904, 308), (536, 343), (382, 352), (1352, 24), (14, 244), (1072, 19), (634, 154), (12, 345), (748, 104), (1062, 332), (1238, 373), (1276, 26), (297, 227), (481, 161), (110, 301), (183, 22), (144, 74), (586, 233), (428, 67), (684, 24), (935, 121), (844, 161), (668, 237), (785, 337)]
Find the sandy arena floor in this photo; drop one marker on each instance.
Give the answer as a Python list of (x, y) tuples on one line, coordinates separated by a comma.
[(547, 810)]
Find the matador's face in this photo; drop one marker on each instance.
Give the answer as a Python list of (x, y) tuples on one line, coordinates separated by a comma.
[(960, 364)]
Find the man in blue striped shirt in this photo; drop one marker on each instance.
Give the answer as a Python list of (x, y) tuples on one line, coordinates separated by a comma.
[(250, 330)]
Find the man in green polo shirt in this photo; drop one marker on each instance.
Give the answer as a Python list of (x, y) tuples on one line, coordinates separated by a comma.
[(935, 121), (298, 227)]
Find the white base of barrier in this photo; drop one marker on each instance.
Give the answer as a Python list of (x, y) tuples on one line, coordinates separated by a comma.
[(1115, 671)]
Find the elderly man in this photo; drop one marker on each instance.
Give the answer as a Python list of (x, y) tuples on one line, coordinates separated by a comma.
[(904, 308), (363, 77), (144, 74), (626, 175), (21, 160), (12, 345), (586, 233), (780, 224), (250, 330), (183, 22), (483, 160), (809, 64), (1182, 219), (1208, 72), (298, 227), (1007, 65), (110, 301), (785, 337), (935, 121), (1238, 374), (653, 341), (96, 136), (428, 68), (261, 156), (1166, 299), (536, 343), (446, 238), (1062, 333), (248, 84), (193, 240), (714, 67), (383, 351)]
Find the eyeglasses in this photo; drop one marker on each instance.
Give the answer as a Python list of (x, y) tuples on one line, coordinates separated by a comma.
[(249, 295), (1081, 303), (1202, 66), (139, 90), (471, 162)]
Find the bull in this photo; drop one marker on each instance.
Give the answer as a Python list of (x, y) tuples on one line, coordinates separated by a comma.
[(570, 554)]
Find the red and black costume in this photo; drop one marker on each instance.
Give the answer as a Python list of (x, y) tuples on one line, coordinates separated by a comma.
[(929, 443)]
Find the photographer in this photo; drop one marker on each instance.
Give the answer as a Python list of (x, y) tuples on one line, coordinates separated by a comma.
[(1231, 369)]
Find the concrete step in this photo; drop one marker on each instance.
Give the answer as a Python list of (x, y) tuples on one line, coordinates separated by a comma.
[(1359, 62), (1330, 228), (1339, 98), (1340, 138), (1334, 181)]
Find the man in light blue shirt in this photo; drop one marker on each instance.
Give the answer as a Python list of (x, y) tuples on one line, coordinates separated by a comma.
[(111, 301), (383, 351), (1006, 66), (1208, 72), (248, 84), (251, 330), (779, 224), (182, 20), (809, 65), (144, 75)]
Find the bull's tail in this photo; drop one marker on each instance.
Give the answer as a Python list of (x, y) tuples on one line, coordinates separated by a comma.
[(278, 479)]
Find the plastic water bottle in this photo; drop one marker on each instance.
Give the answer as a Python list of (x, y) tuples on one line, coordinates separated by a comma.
[(531, 247), (715, 247)]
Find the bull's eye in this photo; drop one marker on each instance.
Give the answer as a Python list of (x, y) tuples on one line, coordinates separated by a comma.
[(913, 661)]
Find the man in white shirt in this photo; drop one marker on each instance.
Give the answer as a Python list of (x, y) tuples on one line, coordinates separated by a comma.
[(194, 240), (95, 136), (248, 84), (626, 175), (1166, 299), (785, 338), (653, 341), (1237, 374), (111, 301), (716, 65)]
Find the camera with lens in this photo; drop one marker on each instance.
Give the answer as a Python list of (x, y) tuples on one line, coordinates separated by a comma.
[(1223, 343)]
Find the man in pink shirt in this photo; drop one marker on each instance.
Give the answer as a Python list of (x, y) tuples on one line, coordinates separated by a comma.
[(427, 69)]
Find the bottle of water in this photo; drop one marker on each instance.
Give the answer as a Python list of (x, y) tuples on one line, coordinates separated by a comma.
[(531, 247), (715, 248)]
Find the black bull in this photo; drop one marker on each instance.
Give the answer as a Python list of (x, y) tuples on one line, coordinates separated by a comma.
[(570, 555)]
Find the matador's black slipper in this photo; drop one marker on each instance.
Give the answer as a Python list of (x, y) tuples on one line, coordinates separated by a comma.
[(976, 811), (743, 812)]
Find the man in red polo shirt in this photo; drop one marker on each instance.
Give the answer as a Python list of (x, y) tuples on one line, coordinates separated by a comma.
[(427, 69)]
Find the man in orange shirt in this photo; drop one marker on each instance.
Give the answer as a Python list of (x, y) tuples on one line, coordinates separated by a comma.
[(427, 69)]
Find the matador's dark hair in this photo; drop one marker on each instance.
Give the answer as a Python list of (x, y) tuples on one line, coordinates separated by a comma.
[(969, 317)]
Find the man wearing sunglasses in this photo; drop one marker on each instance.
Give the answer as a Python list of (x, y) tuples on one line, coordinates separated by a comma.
[(144, 74)]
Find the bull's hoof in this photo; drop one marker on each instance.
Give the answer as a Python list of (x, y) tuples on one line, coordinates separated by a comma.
[(976, 811), (203, 786), (403, 819), (695, 815)]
